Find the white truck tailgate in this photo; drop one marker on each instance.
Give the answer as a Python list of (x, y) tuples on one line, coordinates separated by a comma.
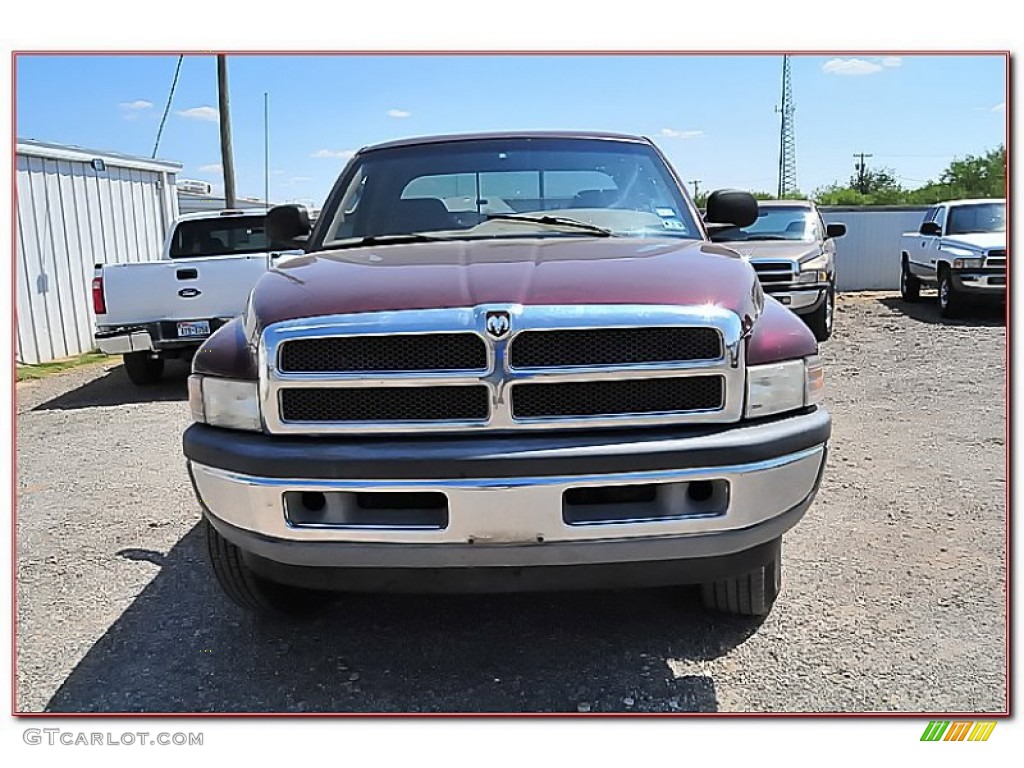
[(180, 289)]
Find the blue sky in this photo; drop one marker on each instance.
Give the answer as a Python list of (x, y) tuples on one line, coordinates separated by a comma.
[(712, 115)]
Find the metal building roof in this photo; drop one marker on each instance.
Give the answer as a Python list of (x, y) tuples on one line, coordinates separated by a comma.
[(52, 151)]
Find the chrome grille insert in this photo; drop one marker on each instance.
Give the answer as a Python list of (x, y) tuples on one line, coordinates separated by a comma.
[(400, 352), (619, 397), (613, 346), (385, 404)]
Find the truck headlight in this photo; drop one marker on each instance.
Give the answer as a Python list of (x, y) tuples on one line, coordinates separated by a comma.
[(788, 386), (814, 270), (966, 263), (229, 403)]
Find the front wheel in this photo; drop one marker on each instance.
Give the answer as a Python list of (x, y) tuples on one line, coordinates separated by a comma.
[(910, 286), (820, 320), (749, 594), (251, 591), (950, 300), (143, 369)]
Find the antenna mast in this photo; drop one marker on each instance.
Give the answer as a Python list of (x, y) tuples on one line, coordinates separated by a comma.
[(787, 138)]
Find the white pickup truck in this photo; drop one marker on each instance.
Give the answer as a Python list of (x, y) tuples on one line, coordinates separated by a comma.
[(960, 249), (150, 311)]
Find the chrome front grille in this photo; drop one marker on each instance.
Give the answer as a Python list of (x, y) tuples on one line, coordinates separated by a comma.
[(775, 271), (996, 258), (502, 367)]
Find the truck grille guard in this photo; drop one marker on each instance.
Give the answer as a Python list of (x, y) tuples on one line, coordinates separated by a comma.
[(502, 367)]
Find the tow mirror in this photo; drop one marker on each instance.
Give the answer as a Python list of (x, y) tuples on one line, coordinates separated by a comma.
[(288, 226)]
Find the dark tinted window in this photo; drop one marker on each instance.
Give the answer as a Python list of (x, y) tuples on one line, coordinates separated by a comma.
[(981, 217), (219, 237)]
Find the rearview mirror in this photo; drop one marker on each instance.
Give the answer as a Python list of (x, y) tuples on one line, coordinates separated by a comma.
[(835, 230), (731, 207), (288, 226), (931, 229)]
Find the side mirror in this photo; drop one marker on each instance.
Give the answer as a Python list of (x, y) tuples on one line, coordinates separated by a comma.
[(288, 226), (931, 229), (835, 230), (731, 207)]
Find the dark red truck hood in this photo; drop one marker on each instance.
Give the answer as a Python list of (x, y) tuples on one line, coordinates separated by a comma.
[(465, 273)]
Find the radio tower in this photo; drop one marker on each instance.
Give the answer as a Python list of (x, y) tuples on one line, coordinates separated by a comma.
[(787, 139)]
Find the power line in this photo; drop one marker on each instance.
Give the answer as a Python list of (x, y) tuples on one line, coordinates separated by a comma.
[(167, 109)]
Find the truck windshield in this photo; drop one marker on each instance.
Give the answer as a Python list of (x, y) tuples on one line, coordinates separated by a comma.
[(508, 188), (980, 217), (223, 236), (777, 223)]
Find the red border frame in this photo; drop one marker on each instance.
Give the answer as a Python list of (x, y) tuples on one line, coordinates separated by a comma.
[(1008, 379)]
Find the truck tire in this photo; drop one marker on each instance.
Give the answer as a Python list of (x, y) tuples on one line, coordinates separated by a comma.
[(910, 286), (749, 594), (820, 320), (253, 593), (950, 301), (143, 369)]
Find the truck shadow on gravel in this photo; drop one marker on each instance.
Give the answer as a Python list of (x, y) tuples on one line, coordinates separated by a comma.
[(927, 311), (114, 388), (182, 647)]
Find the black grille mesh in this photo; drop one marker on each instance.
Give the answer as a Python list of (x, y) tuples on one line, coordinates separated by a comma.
[(609, 398), (397, 352), (385, 404), (613, 346)]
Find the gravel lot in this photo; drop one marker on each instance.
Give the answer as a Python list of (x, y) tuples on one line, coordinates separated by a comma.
[(894, 583)]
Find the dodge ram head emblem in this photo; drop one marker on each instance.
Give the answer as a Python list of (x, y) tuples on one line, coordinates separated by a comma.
[(497, 324)]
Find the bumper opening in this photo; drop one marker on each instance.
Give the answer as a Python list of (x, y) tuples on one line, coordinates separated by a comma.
[(648, 502), (366, 509)]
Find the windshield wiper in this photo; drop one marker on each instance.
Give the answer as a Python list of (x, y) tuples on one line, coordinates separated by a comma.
[(551, 221), (398, 239)]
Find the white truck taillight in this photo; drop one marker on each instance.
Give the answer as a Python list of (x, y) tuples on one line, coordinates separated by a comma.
[(99, 302)]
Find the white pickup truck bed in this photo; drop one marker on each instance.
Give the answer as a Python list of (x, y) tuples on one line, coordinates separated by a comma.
[(152, 310)]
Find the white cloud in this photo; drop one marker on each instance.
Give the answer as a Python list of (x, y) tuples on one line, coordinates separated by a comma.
[(209, 114), (892, 61), (850, 67), (672, 133), (211, 168), (136, 106), (398, 113), (1000, 107), (344, 154)]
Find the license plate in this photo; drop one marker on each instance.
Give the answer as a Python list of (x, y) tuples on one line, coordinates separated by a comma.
[(199, 328)]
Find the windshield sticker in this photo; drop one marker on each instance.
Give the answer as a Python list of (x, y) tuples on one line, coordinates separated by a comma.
[(673, 224), (665, 213)]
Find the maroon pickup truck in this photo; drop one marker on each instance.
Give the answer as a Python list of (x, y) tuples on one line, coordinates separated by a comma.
[(506, 362)]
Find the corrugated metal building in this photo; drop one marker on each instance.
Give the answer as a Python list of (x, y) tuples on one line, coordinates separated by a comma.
[(868, 256), (76, 208)]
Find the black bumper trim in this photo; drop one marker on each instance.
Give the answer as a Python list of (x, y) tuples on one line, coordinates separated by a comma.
[(496, 456)]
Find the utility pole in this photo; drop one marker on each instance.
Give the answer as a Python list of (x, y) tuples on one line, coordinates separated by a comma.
[(862, 170), (266, 149), (227, 158), (696, 188)]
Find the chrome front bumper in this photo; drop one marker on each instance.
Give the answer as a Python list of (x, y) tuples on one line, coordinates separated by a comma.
[(514, 521)]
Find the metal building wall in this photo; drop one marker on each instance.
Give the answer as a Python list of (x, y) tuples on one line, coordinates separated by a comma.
[(868, 256), (70, 217)]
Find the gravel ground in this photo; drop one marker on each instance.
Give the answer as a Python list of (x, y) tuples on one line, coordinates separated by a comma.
[(893, 599)]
